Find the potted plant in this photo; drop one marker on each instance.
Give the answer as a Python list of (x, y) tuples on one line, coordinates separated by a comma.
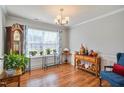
[(54, 51), (33, 53), (48, 51), (41, 52), (15, 62)]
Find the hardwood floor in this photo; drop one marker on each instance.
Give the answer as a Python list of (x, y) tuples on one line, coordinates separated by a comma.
[(62, 76)]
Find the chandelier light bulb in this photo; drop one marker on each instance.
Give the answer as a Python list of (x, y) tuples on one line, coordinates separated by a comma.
[(60, 19)]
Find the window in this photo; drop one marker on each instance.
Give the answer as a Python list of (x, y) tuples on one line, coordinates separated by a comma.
[(38, 40)]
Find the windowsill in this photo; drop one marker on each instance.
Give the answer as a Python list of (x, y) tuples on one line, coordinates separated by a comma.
[(39, 56)]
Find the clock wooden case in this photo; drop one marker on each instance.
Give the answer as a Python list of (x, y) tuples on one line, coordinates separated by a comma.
[(14, 38)]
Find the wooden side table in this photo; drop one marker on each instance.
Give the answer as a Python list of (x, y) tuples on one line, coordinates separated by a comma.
[(6, 78), (66, 54)]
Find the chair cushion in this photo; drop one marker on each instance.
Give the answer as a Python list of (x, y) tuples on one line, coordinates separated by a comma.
[(112, 77), (119, 69), (121, 61)]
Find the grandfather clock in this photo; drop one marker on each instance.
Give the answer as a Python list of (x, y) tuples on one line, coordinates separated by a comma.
[(14, 38)]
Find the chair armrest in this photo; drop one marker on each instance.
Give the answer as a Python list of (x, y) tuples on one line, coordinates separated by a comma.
[(107, 67)]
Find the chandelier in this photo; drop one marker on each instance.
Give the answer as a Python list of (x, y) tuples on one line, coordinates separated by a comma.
[(60, 19)]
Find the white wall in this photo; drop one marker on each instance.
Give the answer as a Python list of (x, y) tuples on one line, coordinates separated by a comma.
[(2, 23), (105, 35), (65, 39)]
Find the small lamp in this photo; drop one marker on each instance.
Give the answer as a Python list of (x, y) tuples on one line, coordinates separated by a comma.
[(66, 50)]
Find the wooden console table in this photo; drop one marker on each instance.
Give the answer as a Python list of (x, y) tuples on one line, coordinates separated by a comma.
[(94, 61)]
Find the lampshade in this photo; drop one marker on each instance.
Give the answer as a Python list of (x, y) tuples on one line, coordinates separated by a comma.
[(66, 49)]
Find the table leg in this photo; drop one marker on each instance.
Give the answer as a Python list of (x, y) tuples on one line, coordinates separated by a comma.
[(74, 62), (18, 81), (2, 83), (29, 68), (100, 82)]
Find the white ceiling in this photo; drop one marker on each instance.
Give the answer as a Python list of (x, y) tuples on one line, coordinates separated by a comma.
[(47, 13)]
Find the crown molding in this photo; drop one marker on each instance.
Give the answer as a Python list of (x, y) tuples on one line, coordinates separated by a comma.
[(98, 17)]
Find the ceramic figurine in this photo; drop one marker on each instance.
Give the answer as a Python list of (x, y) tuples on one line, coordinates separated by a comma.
[(86, 51), (90, 53), (82, 49)]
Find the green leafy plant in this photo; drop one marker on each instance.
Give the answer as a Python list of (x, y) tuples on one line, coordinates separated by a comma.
[(14, 61), (41, 52), (54, 50), (33, 53), (48, 51)]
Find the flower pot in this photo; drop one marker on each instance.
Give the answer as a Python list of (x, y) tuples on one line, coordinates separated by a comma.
[(18, 71), (10, 71)]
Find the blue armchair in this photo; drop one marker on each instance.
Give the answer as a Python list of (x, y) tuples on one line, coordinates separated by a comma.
[(114, 79)]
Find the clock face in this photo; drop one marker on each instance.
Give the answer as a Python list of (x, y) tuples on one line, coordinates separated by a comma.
[(16, 41), (16, 35)]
